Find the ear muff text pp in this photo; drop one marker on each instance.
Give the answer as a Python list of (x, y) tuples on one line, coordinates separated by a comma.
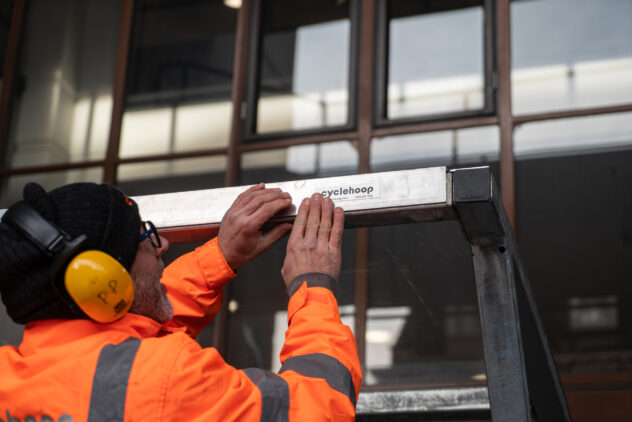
[(99, 285)]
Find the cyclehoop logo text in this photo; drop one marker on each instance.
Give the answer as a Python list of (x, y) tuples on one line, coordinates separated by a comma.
[(349, 193)]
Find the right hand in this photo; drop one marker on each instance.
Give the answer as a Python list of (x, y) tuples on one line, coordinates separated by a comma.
[(315, 244), (240, 237)]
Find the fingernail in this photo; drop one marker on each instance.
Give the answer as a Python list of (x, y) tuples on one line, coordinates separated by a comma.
[(305, 201), (316, 196)]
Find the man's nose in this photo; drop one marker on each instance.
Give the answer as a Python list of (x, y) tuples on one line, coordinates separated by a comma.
[(164, 245)]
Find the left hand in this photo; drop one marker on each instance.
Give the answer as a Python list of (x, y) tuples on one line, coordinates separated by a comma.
[(315, 244), (240, 237)]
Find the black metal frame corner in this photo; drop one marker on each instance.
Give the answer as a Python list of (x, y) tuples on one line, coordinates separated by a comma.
[(521, 374)]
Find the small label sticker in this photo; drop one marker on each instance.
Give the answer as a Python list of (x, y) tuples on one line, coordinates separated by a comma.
[(350, 192)]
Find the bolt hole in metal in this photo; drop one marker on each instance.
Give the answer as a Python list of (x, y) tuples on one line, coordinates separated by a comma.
[(501, 249)]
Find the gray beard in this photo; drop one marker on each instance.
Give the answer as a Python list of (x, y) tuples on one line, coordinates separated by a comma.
[(149, 298)]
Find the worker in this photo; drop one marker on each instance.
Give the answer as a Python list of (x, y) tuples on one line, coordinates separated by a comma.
[(91, 351)]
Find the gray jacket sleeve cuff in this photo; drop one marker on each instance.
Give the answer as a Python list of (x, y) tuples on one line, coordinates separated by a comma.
[(313, 280)]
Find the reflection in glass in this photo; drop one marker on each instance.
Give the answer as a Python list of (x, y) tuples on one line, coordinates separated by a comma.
[(299, 162), (573, 195), (179, 78), (304, 65), (67, 62), (570, 54), (422, 320), (435, 57), (178, 175), (463, 147)]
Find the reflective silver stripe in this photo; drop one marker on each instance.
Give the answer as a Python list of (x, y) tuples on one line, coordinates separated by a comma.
[(275, 395), (109, 387), (319, 365)]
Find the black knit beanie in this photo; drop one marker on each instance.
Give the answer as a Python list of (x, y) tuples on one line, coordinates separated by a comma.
[(103, 213)]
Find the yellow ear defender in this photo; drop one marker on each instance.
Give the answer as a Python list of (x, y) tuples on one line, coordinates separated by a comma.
[(91, 282), (99, 285)]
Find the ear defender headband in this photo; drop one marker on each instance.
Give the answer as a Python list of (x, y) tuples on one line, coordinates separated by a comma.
[(91, 282)]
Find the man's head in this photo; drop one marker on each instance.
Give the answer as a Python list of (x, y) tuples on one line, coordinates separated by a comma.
[(109, 220)]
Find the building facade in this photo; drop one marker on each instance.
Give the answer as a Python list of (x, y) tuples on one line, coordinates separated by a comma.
[(160, 96)]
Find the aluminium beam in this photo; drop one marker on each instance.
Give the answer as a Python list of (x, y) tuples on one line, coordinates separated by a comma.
[(458, 403), (407, 196)]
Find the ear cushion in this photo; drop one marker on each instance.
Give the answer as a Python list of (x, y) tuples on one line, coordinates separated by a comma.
[(99, 285)]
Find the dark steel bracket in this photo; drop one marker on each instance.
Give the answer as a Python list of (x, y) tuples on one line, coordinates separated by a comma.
[(521, 374)]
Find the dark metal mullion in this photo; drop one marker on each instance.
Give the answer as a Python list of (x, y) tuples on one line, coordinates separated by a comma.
[(489, 45), (503, 45), (381, 62), (301, 140), (565, 114), (254, 42), (8, 76), (431, 118), (436, 126), (354, 63), (265, 137), (234, 155), (118, 91), (365, 126), (240, 72)]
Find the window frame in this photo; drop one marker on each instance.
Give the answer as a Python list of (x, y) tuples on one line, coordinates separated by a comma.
[(380, 99), (253, 72)]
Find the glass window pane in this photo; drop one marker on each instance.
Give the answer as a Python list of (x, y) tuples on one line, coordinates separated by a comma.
[(422, 319), (462, 148), (299, 162), (166, 176), (435, 57), (573, 201), (67, 61), (570, 54), (179, 78), (304, 65)]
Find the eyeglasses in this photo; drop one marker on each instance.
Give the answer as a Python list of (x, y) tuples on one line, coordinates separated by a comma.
[(151, 233)]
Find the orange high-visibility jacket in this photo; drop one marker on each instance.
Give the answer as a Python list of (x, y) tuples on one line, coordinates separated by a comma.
[(134, 369)]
